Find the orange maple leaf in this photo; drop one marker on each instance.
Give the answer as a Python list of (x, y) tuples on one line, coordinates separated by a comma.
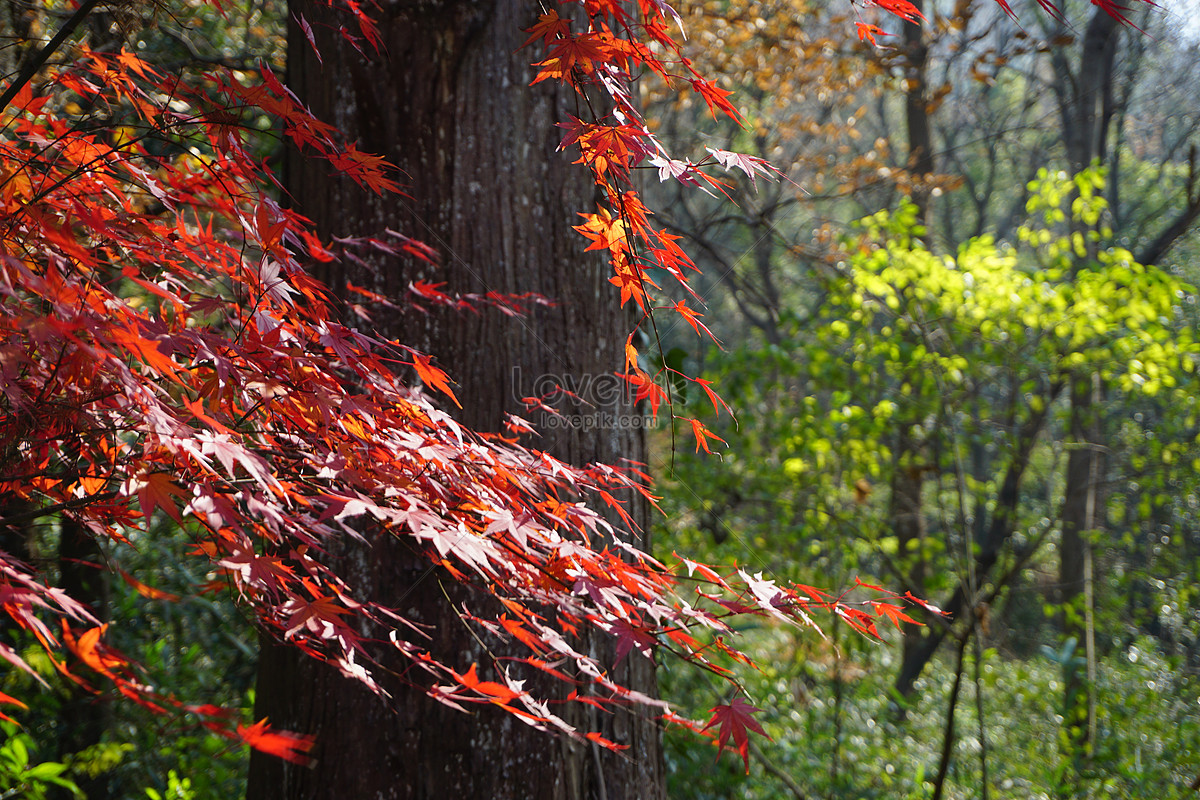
[(713, 397), (868, 32), (703, 434), (499, 693), (716, 97), (288, 746), (133, 63), (692, 317), (90, 651), (148, 591), (605, 231), (893, 612), (433, 377), (4, 698)]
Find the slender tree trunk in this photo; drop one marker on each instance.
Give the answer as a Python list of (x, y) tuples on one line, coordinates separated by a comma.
[(1086, 97), (448, 101), (1086, 110), (907, 515), (916, 113), (948, 731), (1081, 516), (83, 718), (906, 511)]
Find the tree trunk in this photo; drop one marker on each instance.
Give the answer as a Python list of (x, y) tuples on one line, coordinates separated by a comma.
[(1086, 113), (916, 114), (82, 718), (1081, 516), (1086, 97), (447, 99), (906, 513), (906, 506)]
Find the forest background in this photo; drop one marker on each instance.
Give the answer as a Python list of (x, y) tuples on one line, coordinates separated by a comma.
[(953, 372)]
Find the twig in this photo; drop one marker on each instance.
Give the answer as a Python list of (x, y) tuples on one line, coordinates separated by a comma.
[(786, 779)]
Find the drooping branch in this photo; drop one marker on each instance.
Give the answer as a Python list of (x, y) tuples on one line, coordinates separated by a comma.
[(1182, 222)]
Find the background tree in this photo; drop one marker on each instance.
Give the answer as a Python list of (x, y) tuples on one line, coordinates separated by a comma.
[(989, 518)]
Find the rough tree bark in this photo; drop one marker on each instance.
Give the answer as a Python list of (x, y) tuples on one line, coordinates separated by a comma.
[(448, 101)]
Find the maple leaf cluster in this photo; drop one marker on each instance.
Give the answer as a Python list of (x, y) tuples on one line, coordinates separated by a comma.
[(165, 351), (600, 53)]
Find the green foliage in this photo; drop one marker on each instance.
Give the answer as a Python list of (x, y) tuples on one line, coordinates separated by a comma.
[(958, 350), (945, 366), (177, 789), (200, 645), (1148, 733), (22, 776)]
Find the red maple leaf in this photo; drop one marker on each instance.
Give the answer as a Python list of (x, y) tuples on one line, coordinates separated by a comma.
[(713, 397), (931, 608), (734, 721), (157, 490), (629, 637), (498, 692), (549, 27), (716, 97), (860, 620), (645, 389)]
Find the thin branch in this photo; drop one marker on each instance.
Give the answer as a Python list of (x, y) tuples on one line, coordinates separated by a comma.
[(1183, 221), (984, 790), (939, 782), (783, 777), (45, 511), (31, 68)]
